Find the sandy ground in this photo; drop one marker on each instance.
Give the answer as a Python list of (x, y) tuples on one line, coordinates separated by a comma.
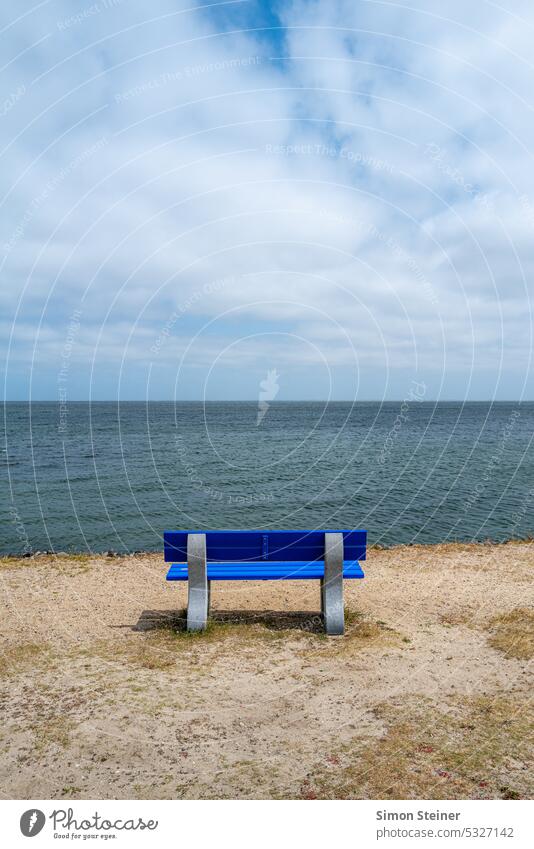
[(427, 696)]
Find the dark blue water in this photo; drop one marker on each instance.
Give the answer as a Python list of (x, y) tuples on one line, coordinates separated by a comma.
[(107, 476)]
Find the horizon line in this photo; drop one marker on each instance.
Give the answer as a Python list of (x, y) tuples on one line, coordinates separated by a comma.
[(279, 401)]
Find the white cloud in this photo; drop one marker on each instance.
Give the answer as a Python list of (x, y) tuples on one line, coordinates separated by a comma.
[(373, 176)]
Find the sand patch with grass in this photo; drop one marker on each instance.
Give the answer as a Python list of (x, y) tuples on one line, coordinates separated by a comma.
[(104, 695), (513, 633)]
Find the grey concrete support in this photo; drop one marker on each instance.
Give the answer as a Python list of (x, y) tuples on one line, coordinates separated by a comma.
[(332, 606), (197, 583)]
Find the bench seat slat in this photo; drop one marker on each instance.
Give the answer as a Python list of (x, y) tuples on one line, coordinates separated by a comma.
[(266, 571)]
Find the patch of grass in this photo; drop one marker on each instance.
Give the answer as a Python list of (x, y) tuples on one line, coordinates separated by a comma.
[(60, 561), (457, 617), (245, 632), (361, 629), (513, 633), (71, 558), (477, 748), (166, 642), (361, 632), (15, 658), (359, 626), (15, 562), (161, 648), (144, 651), (509, 793), (48, 732), (250, 628), (246, 625)]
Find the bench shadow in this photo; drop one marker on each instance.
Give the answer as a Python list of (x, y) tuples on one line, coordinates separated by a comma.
[(154, 620), (275, 620)]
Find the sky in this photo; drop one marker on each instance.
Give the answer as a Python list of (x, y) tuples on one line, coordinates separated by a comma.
[(333, 198)]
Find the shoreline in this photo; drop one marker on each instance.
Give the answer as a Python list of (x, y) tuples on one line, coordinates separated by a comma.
[(111, 553)]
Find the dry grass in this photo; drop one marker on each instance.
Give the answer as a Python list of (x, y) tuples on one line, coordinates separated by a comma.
[(155, 651), (453, 618), (162, 647), (14, 562), (58, 561), (479, 749), (361, 632), (513, 633), (14, 658), (144, 651), (51, 732), (231, 634)]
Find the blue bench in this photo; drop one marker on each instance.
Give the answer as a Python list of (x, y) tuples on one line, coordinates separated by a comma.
[(327, 556)]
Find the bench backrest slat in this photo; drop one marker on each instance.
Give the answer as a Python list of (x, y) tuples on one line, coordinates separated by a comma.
[(262, 546)]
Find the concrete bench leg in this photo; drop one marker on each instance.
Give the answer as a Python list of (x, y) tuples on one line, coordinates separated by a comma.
[(332, 606), (197, 584)]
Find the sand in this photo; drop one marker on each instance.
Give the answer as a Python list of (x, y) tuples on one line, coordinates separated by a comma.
[(427, 696)]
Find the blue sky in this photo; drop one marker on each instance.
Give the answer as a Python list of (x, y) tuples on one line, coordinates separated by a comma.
[(194, 195)]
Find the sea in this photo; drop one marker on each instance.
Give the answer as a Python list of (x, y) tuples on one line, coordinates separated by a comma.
[(113, 476)]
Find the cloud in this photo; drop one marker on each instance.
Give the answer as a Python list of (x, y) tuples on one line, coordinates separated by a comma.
[(358, 173)]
